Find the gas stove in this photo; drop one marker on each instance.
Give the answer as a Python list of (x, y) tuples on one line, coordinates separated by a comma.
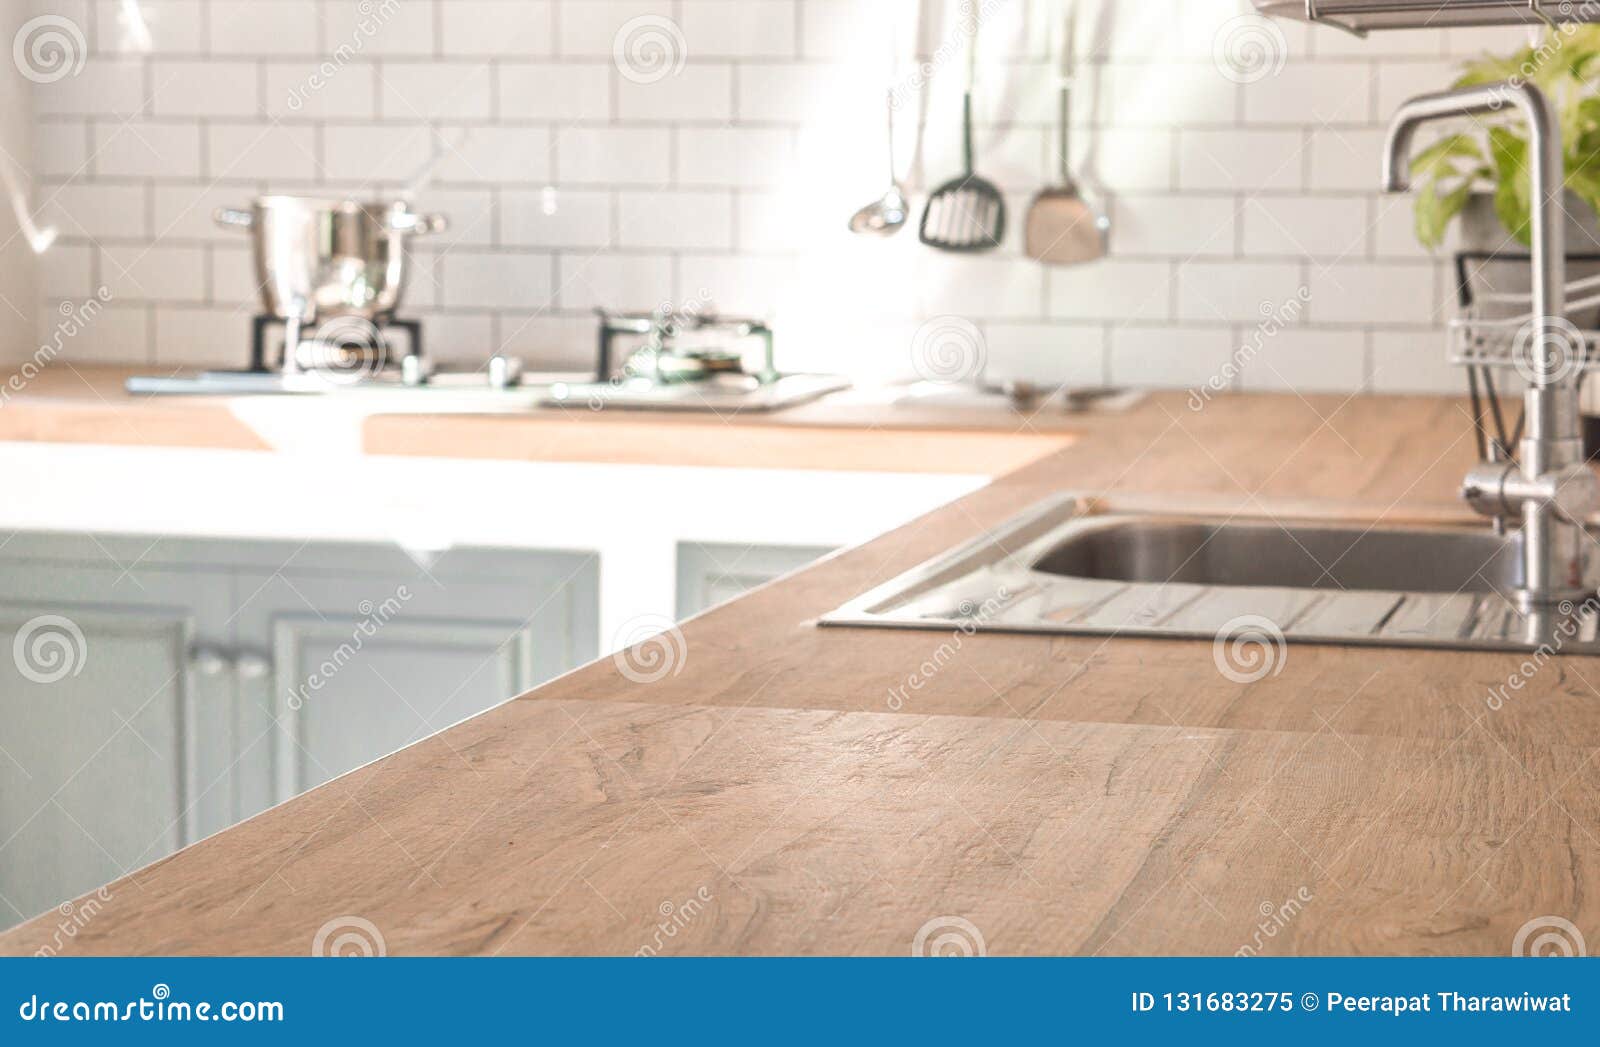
[(687, 360), (679, 361)]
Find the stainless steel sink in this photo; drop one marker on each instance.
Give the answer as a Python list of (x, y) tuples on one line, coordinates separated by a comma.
[(1080, 564)]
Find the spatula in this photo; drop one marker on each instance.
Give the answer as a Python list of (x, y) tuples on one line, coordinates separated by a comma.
[(1062, 228), (966, 213)]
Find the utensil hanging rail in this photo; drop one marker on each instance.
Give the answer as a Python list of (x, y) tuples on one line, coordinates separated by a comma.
[(1360, 16)]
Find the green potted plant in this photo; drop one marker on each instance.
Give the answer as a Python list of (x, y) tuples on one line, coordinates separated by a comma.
[(1482, 176)]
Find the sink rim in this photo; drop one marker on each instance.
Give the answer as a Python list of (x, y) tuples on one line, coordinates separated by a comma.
[(1003, 556)]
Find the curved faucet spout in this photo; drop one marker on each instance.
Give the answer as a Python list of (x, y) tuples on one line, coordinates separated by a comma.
[(1544, 168)]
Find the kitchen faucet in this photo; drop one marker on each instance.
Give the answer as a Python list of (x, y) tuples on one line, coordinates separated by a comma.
[(1550, 487)]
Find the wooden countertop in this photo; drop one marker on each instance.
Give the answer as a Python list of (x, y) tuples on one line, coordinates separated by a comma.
[(1063, 794), (79, 404)]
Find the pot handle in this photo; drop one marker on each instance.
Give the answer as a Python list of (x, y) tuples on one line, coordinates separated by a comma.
[(418, 224), (233, 218)]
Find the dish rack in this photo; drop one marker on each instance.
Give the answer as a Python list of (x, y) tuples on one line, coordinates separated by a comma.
[(1493, 332)]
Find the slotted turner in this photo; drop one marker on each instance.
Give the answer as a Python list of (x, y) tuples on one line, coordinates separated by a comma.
[(966, 213)]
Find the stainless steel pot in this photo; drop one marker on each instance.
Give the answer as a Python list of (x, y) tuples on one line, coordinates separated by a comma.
[(320, 258)]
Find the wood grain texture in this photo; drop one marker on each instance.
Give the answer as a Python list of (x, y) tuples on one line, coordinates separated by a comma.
[(1065, 795)]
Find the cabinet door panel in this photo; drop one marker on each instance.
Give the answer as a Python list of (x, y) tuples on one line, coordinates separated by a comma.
[(94, 779), (347, 706), (355, 667), (710, 573)]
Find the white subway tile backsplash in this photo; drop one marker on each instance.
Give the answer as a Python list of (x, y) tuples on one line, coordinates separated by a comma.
[(555, 90), (791, 92), (1171, 94), (470, 213), (627, 152), (95, 212), (739, 28), (981, 286), (495, 155), (1131, 160), (601, 27), (1374, 293), (200, 336), (120, 334), (1307, 361), (435, 91), (509, 28), (198, 87), (61, 148), (183, 212), (1242, 292), (496, 281), (1054, 354), (1168, 357), (161, 27), (734, 156), (146, 150), (249, 27), (587, 281), (154, 272), (1331, 228), (233, 278), (67, 271), (677, 218), (1113, 289), (106, 86), (379, 29), (389, 153), (261, 151), (1240, 160), (570, 218), (316, 91), (1414, 362), (617, 155), (698, 92), (1345, 158), (1184, 226), (1313, 94), (1399, 80)]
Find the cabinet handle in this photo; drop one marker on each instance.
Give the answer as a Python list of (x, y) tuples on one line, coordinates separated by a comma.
[(209, 661), (252, 666)]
